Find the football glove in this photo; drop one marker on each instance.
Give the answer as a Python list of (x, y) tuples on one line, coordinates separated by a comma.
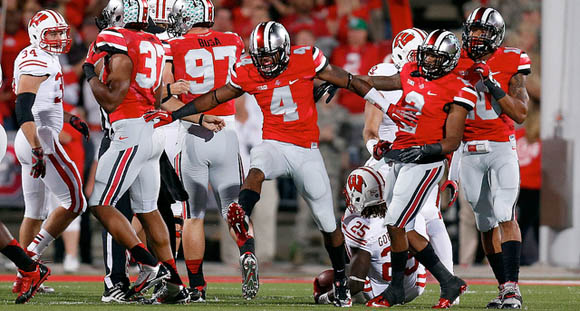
[(38, 163), (417, 153), (325, 87), (163, 117), (493, 87), (90, 61), (80, 126), (403, 116), (381, 148), (454, 190)]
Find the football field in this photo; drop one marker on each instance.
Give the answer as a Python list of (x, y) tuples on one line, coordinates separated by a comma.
[(282, 296)]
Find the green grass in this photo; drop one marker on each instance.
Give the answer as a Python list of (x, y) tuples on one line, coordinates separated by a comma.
[(227, 296)]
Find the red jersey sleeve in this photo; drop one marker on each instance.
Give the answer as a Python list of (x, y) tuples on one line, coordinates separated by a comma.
[(467, 96), (525, 64), (111, 40), (320, 61), (167, 50), (239, 73)]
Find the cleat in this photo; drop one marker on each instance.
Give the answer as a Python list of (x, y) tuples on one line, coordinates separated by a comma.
[(31, 281), (239, 222), (496, 302), (148, 277), (389, 297), (510, 296), (17, 285), (45, 289), (115, 294), (197, 294), (250, 281), (443, 304), (455, 288), (169, 293), (342, 294)]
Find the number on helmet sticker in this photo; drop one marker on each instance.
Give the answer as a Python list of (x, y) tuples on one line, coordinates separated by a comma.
[(148, 76), (283, 104), (416, 100), (199, 65)]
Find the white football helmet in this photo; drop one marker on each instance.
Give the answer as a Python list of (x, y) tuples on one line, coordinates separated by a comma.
[(45, 22), (119, 13), (364, 187), (405, 46), (159, 10), (187, 14)]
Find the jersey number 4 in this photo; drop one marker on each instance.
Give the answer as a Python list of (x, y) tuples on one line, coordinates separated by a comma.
[(283, 104)]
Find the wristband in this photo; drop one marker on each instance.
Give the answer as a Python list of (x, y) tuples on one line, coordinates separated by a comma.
[(495, 91), (374, 97), (89, 71), (200, 119), (349, 80), (432, 149), (371, 145)]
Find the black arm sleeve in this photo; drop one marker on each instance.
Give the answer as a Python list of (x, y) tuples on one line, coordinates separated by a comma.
[(187, 110), (23, 109)]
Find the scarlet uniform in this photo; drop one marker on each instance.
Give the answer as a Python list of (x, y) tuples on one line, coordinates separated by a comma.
[(290, 132), (286, 101), (204, 60), (486, 121), (430, 98), (147, 54), (369, 234), (205, 157), (132, 160)]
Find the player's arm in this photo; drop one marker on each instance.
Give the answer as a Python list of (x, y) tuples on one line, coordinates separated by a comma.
[(360, 263), (76, 122), (28, 86), (110, 95), (171, 88), (384, 83), (375, 146)]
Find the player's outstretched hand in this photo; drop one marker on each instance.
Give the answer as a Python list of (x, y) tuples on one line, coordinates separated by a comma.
[(325, 87), (160, 117), (213, 123), (179, 87), (403, 116), (80, 126), (38, 163), (381, 148)]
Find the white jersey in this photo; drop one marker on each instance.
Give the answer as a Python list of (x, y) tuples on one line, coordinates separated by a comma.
[(371, 236), (47, 109), (387, 128)]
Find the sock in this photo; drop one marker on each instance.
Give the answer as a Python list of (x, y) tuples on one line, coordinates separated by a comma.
[(511, 260), (338, 259), (141, 255), (174, 275), (17, 255), (248, 199), (41, 241), (429, 259), (496, 263), (398, 263), (195, 272), (249, 246)]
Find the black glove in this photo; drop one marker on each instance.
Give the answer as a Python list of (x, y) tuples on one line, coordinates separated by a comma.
[(38, 163), (89, 70), (80, 126), (324, 88), (417, 153)]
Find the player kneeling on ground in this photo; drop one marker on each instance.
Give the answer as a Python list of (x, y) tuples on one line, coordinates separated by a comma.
[(368, 245)]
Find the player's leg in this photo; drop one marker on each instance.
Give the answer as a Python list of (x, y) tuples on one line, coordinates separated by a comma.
[(415, 283), (504, 182), (311, 180), (436, 231)]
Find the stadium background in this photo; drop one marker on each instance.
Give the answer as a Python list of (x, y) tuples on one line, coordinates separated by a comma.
[(354, 34)]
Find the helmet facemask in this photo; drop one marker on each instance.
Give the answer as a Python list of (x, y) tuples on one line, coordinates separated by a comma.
[(60, 45), (440, 56), (478, 45), (270, 64)]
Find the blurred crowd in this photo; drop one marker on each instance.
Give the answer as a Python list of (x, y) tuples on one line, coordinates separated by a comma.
[(353, 34)]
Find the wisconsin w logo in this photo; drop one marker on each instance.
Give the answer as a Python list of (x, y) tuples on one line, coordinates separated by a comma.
[(356, 182), (37, 19)]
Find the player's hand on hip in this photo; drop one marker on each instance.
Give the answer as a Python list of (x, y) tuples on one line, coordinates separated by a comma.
[(213, 123), (80, 126), (415, 154), (453, 191), (325, 87), (403, 116), (381, 148), (160, 117), (38, 163), (179, 87)]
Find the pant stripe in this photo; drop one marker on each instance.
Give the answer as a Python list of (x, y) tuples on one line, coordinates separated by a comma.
[(424, 197), (184, 204), (420, 192), (241, 168), (79, 184), (125, 170), (110, 181), (117, 174), (67, 180)]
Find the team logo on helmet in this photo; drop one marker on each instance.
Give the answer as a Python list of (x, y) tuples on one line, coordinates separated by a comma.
[(405, 45), (364, 188)]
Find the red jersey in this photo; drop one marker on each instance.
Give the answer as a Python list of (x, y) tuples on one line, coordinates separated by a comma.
[(205, 60), (430, 97), (147, 54), (286, 101), (530, 160), (486, 121)]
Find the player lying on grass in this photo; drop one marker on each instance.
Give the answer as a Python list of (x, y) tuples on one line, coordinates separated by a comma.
[(368, 245)]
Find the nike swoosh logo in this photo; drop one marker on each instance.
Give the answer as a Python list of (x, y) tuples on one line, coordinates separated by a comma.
[(293, 81), (430, 93), (123, 137)]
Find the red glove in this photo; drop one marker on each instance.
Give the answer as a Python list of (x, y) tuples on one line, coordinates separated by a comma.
[(454, 188), (163, 117), (381, 148), (482, 68), (38, 164), (93, 56), (403, 116), (80, 126)]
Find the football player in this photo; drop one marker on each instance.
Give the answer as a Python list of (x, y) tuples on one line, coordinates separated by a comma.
[(203, 57), (379, 133), (45, 164), (367, 241), (280, 76), (134, 62), (488, 162)]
